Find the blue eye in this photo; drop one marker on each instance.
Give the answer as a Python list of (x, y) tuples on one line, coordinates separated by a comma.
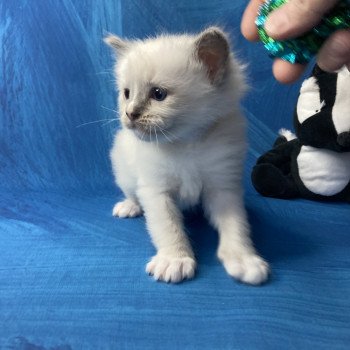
[(158, 94)]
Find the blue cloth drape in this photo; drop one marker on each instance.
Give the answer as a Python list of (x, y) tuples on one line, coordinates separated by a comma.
[(71, 276)]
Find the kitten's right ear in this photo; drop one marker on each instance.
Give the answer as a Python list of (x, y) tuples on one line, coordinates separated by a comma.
[(118, 44)]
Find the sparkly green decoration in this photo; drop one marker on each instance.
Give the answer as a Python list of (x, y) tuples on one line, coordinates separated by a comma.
[(303, 48)]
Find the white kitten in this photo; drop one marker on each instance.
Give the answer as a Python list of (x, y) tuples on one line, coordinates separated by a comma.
[(183, 141)]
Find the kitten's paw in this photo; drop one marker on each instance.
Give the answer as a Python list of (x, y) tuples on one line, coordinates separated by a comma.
[(171, 269), (251, 269), (127, 209)]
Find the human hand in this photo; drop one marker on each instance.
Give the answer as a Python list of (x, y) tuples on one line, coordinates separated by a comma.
[(291, 20)]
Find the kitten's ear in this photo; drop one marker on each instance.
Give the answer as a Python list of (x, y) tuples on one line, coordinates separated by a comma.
[(213, 50), (118, 44)]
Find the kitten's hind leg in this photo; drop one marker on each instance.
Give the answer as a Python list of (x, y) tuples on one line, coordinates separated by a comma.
[(128, 208), (236, 252)]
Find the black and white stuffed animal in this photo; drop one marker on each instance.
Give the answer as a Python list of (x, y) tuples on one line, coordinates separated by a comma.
[(314, 163)]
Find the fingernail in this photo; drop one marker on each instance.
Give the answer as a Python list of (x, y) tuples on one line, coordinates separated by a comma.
[(276, 23)]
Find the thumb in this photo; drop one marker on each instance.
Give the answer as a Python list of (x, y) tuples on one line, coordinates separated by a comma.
[(296, 17), (335, 52)]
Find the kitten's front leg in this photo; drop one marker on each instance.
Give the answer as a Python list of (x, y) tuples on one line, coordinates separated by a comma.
[(174, 260), (227, 213), (128, 208)]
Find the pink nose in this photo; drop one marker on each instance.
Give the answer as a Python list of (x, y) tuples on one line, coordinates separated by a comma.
[(133, 116)]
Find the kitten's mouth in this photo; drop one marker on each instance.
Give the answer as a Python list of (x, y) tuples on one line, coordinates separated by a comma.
[(151, 132), (141, 130), (138, 127)]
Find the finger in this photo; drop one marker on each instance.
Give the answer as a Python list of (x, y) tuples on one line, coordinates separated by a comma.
[(335, 52), (286, 72), (248, 27), (296, 17)]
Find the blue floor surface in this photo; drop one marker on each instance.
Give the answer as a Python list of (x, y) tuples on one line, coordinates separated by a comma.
[(72, 277)]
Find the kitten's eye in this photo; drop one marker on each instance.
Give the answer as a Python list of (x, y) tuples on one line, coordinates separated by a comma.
[(126, 93), (158, 93)]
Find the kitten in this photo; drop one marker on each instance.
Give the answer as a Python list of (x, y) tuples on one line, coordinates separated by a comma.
[(183, 141)]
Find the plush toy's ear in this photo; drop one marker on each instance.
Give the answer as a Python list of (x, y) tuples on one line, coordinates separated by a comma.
[(317, 71), (212, 49), (327, 84), (119, 45)]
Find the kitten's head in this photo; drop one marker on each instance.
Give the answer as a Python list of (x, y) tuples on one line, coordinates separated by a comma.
[(174, 87)]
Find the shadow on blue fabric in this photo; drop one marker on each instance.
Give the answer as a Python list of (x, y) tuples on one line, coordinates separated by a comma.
[(71, 276)]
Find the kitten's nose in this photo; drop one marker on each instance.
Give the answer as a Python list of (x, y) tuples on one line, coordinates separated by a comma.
[(133, 115)]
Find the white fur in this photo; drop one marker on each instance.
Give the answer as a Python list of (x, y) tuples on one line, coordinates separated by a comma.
[(309, 102), (192, 151), (323, 171), (340, 112), (287, 134), (127, 209)]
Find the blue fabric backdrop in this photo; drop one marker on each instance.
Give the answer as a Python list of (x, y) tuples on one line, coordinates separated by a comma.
[(71, 276)]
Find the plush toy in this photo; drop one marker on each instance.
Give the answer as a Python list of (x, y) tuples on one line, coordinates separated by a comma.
[(314, 163)]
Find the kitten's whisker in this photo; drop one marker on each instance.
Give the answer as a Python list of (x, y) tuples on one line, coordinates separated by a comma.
[(171, 134), (100, 73), (110, 121), (104, 72), (150, 135), (155, 132), (163, 131), (109, 109), (142, 136), (165, 135), (96, 121)]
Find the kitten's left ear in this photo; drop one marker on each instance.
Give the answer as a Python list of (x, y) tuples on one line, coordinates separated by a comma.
[(213, 50), (118, 44)]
